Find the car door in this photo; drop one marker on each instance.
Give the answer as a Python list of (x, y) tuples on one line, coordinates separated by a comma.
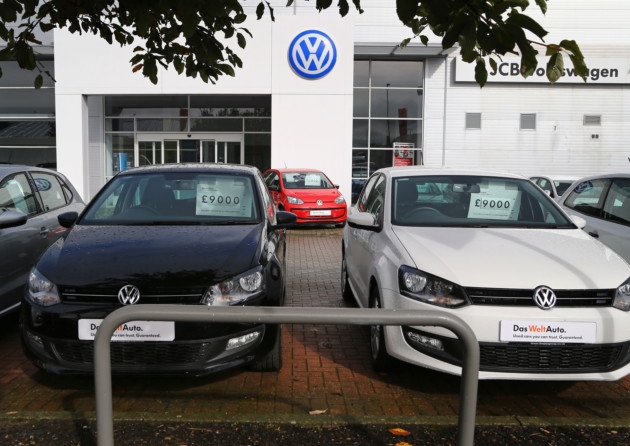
[(272, 180), (362, 245), (21, 245), (605, 205)]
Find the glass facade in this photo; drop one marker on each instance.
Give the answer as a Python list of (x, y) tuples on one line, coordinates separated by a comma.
[(27, 117), (387, 117), (142, 130)]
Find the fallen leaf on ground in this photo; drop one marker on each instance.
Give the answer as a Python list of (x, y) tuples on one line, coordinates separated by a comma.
[(398, 431), (318, 412)]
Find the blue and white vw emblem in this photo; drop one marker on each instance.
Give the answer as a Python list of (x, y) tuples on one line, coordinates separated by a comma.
[(544, 297), (312, 54), (128, 295)]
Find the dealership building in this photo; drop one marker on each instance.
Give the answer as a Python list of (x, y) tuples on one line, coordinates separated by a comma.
[(338, 94)]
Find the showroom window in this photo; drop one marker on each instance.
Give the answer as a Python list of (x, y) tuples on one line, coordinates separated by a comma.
[(27, 117), (387, 117), (142, 130)]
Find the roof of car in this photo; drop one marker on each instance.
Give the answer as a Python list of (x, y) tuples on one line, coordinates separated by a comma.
[(402, 171), (297, 169), (192, 167), (11, 168)]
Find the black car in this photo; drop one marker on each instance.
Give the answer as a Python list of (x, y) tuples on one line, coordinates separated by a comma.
[(31, 198), (195, 234)]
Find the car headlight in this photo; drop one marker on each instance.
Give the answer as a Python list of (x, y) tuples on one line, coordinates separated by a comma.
[(236, 290), (294, 200), (622, 296), (430, 289), (340, 199), (42, 291)]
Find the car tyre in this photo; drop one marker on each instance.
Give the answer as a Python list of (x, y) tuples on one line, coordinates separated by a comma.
[(346, 291), (381, 360), (272, 361)]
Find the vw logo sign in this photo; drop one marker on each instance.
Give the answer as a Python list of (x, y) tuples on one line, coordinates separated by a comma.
[(320, 203), (128, 295), (544, 297), (42, 184), (312, 54)]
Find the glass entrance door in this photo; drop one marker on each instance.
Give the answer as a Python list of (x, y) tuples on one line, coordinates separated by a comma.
[(222, 151), (209, 148)]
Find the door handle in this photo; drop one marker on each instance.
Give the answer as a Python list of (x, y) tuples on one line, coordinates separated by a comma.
[(44, 231), (594, 234)]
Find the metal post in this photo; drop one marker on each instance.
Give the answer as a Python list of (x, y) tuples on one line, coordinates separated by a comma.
[(282, 315)]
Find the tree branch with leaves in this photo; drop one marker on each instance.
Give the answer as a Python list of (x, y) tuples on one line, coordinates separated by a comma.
[(197, 37)]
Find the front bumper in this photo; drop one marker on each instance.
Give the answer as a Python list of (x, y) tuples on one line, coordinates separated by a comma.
[(198, 349), (607, 358), (319, 215)]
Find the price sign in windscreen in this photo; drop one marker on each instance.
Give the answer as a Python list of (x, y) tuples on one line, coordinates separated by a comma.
[(225, 197), (496, 202)]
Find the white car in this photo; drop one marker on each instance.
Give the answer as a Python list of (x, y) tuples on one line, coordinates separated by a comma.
[(553, 185), (545, 300), (603, 201)]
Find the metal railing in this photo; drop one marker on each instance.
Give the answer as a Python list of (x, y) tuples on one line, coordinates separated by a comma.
[(282, 315)]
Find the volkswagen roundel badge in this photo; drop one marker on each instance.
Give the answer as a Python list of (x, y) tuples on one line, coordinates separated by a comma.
[(544, 297), (128, 295), (320, 203), (312, 54)]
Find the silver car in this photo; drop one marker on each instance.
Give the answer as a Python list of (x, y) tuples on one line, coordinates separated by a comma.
[(604, 202), (31, 198)]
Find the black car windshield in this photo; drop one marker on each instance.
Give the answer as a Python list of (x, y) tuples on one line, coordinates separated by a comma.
[(473, 201), (178, 197), (306, 180)]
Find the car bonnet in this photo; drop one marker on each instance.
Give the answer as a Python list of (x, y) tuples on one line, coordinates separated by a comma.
[(186, 255), (514, 258)]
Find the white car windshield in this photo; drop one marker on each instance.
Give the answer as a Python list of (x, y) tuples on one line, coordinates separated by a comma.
[(473, 201), (175, 198)]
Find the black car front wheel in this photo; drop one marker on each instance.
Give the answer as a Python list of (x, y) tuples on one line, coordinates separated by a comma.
[(272, 361)]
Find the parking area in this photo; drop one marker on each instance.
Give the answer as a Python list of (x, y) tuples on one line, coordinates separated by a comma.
[(326, 376)]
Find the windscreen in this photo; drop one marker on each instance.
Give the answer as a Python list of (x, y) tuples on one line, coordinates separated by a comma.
[(306, 180), (175, 198), (464, 200)]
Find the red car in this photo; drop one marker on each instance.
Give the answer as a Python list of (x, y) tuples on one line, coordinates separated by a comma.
[(309, 194)]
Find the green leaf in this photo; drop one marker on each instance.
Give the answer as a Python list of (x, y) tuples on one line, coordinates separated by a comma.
[(481, 73), (241, 40), (542, 4), (572, 46), (260, 10), (39, 81), (526, 22), (580, 67), (406, 10), (555, 67)]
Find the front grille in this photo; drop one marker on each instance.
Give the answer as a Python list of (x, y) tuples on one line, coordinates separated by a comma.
[(517, 357), (525, 298), (550, 358), (138, 353), (147, 296)]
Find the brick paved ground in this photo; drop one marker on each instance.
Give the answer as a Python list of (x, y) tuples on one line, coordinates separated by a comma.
[(326, 368)]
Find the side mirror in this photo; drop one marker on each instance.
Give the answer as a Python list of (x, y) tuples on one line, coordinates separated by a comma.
[(11, 219), (578, 221), (67, 219), (363, 220), (285, 219)]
